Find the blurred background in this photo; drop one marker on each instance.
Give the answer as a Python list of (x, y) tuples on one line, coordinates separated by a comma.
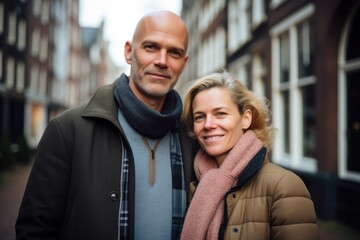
[(303, 55)]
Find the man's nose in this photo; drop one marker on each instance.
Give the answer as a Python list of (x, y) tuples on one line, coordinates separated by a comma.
[(161, 59)]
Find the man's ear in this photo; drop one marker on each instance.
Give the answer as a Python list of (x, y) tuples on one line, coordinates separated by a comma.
[(246, 119), (127, 52)]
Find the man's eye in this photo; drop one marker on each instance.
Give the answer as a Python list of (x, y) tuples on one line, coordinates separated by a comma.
[(150, 47), (175, 53)]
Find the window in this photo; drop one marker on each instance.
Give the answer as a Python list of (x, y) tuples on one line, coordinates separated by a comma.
[(239, 23), (241, 69), (258, 12), (294, 91), (10, 72), (36, 8), (233, 27), (209, 12), (212, 54), (353, 120), (44, 48), (1, 66), (20, 76), (45, 13), (285, 103), (37, 114), (2, 16), (35, 42), (42, 82), (258, 73), (349, 99), (12, 29), (308, 109), (34, 78), (21, 35), (305, 48), (284, 57)]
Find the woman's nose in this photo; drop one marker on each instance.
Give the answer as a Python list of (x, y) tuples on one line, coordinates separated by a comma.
[(209, 123)]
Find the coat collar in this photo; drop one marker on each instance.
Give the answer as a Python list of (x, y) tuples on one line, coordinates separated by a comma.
[(252, 168), (103, 105)]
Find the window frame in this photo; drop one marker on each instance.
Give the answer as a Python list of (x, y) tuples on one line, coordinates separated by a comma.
[(344, 68), (294, 158)]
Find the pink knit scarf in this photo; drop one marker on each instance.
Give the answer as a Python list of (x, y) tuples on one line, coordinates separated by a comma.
[(205, 212)]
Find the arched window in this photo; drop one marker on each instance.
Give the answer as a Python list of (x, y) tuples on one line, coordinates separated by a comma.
[(349, 99)]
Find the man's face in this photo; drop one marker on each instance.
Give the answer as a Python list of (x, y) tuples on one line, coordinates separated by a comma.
[(157, 56)]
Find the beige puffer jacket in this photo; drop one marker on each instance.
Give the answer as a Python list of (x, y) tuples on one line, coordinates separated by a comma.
[(270, 203), (275, 204)]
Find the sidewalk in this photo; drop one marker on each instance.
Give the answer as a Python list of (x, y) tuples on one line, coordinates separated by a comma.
[(12, 186), (332, 230)]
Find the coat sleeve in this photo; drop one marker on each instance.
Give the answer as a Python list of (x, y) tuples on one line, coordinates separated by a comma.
[(292, 213), (43, 206)]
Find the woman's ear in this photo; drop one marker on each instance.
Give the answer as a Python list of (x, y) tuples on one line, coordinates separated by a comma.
[(246, 119)]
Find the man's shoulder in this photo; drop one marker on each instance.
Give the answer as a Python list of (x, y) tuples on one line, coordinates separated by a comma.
[(101, 103), (69, 117), (71, 112)]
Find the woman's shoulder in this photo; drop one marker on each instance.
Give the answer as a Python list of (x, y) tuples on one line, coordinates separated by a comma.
[(276, 171), (281, 180)]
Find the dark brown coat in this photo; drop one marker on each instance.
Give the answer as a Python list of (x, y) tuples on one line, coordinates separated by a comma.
[(74, 188)]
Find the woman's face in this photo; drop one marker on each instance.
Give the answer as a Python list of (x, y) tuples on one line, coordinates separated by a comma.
[(218, 124)]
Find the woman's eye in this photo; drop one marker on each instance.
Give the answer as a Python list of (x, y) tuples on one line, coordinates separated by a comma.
[(198, 118)]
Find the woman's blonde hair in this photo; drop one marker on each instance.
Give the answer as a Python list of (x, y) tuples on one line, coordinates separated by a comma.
[(242, 97)]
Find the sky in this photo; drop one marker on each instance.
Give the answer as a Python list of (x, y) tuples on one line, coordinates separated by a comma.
[(120, 18)]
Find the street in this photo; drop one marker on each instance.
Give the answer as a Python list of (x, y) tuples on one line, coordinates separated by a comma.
[(12, 186)]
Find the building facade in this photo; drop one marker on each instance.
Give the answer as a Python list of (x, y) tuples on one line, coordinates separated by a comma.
[(42, 65), (304, 56), (13, 58)]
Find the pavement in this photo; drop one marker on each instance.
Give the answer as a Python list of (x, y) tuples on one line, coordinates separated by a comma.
[(12, 186)]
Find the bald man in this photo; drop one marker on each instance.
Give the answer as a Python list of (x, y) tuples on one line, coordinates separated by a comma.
[(119, 166)]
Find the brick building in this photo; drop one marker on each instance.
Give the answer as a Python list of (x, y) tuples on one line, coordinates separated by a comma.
[(303, 55)]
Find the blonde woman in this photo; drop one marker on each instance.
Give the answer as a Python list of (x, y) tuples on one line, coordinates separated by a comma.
[(239, 193)]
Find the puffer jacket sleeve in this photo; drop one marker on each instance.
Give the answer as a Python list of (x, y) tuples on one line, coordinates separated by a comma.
[(292, 213)]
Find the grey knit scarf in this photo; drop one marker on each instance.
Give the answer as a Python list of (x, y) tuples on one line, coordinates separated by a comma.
[(143, 119)]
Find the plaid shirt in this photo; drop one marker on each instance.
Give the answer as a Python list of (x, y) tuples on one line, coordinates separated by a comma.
[(124, 213), (178, 191)]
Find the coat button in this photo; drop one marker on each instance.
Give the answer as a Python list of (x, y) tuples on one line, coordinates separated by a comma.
[(235, 230), (113, 196)]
